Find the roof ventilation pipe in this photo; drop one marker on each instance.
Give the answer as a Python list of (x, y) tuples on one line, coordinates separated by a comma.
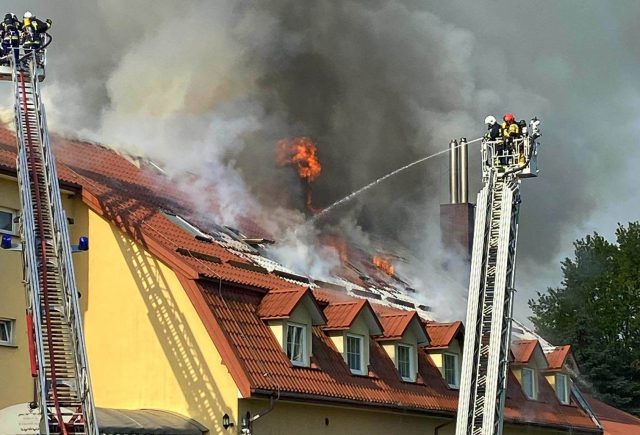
[(463, 171), (453, 172)]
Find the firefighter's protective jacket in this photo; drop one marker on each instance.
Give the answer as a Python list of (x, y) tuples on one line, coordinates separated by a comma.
[(510, 130)]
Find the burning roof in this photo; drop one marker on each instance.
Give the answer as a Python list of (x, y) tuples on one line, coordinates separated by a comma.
[(234, 291)]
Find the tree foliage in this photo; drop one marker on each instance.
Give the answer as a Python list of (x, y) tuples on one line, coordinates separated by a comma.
[(597, 311)]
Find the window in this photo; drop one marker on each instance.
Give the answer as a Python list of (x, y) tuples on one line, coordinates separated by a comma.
[(354, 353), (297, 343), (7, 225), (405, 362), (562, 388), (529, 384), (6, 332), (451, 371)]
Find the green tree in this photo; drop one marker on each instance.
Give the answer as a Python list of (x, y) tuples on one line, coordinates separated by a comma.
[(597, 311)]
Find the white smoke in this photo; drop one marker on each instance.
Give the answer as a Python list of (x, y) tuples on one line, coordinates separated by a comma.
[(208, 87)]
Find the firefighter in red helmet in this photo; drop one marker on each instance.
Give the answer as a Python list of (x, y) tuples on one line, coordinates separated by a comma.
[(510, 127)]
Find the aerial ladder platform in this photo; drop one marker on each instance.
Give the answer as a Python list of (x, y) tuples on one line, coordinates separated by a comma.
[(505, 162), (54, 324)]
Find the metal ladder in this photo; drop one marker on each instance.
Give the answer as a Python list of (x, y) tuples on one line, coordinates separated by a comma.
[(59, 360), (490, 306)]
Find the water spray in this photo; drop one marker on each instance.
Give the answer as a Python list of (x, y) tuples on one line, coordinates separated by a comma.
[(355, 193)]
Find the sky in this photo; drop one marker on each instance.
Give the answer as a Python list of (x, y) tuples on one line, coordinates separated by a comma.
[(209, 87)]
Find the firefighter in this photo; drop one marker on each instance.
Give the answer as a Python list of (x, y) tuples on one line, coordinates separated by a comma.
[(10, 35), (510, 128), (494, 134), (493, 128), (510, 132), (34, 31)]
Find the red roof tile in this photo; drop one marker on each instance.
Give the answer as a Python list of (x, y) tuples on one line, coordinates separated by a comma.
[(279, 304), (133, 198), (523, 350), (442, 334), (614, 421), (340, 315), (557, 357)]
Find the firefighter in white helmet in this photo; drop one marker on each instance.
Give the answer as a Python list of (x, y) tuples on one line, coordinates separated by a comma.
[(34, 31), (493, 128)]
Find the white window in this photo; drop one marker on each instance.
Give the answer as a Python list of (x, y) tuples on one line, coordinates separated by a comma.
[(529, 383), (404, 361), (7, 224), (6, 332), (354, 352), (297, 343), (562, 388), (451, 370)]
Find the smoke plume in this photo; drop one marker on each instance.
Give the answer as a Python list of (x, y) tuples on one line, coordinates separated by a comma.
[(209, 88)]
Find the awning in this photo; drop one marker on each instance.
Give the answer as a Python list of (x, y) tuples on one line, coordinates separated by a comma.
[(146, 421)]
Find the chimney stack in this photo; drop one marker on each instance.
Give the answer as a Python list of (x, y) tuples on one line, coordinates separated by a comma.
[(457, 217), (453, 172)]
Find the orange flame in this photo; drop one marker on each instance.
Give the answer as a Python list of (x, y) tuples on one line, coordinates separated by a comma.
[(384, 265), (301, 153)]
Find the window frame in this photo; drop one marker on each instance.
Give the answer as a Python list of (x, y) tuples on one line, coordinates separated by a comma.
[(360, 338), (10, 328), (456, 369), (534, 386), (567, 397), (412, 371), (14, 225), (303, 337)]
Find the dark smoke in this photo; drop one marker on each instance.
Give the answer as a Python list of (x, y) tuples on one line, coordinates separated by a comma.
[(210, 87)]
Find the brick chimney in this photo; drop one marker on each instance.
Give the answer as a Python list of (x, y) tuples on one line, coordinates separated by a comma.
[(458, 216)]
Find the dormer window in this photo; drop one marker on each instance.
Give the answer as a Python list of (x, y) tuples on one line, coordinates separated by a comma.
[(529, 383), (562, 388), (291, 314), (452, 370), (350, 324), (297, 343), (402, 333), (354, 350), (404, 362)]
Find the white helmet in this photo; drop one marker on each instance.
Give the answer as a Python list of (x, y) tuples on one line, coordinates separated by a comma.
[(490, 120), (28, 15)]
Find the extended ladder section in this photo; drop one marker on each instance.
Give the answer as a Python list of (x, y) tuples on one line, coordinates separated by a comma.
[(491, 286), (59, 360)]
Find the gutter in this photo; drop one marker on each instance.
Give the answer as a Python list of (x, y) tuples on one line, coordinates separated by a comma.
[(355, 403), (415, 411)]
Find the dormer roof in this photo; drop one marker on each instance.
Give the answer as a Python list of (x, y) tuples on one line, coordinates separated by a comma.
[(395, 325), (341, 315), (442, 334), (557, 357), (528, 351), (281, 303)]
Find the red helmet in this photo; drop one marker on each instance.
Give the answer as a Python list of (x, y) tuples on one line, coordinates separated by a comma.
[(508, 117)]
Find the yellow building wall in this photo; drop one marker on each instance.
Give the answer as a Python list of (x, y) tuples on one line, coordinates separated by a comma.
[(15, 374), (16, 383), (312, 419), (147, 345)]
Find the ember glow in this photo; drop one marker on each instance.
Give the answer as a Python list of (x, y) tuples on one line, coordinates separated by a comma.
[(299, 152), (339, 244), (384, 265)]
